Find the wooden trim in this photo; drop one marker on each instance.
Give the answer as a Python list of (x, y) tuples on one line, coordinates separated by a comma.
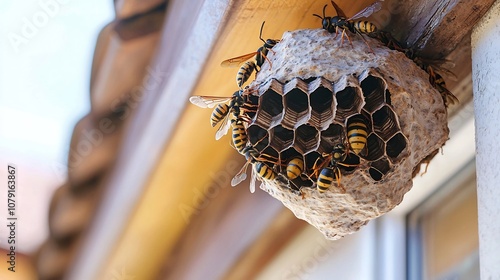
[(436, 26), (166, 92)]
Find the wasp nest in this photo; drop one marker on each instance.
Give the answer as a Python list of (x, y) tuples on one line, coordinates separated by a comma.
[(308, 95)]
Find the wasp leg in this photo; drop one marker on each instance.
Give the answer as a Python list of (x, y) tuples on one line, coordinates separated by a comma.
[(336, 32), (270, 64), (342, 38), (317, 168), (366, 42), (339, 177)]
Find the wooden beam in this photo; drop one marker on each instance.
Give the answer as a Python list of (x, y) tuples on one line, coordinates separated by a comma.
[(436, 27), (284, 228), (155, 225), (225, 224)]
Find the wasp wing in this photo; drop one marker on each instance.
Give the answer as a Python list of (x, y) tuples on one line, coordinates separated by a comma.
[(337, 9), (252, 180), (238, 179), (208, 101), (241, 176), (366, 12), (223, 128), (443, 67), (236, 61), (447, 95)]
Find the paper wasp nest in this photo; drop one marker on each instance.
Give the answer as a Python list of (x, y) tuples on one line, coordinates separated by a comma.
[(314, 88)]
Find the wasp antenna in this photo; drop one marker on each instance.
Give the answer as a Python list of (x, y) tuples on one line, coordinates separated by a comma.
[(317, 16), (324, 9), (260, 35)]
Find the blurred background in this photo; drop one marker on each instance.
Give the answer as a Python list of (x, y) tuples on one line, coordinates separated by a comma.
[(119, 177), (46, 55)]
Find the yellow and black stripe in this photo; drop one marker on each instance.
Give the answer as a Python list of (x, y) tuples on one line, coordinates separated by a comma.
[(244, 73), (364, 26), (325, 179), (239, 135), (357, 133), (264, 171), (219, 113), (294, 168)]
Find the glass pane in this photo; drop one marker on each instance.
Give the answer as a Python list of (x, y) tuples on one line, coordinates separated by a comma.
[(443, 240)]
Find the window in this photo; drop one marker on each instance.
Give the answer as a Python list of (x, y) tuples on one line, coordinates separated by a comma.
[(442, 235)]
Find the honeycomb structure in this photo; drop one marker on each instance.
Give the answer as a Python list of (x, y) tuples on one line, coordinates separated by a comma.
[(315, 88)]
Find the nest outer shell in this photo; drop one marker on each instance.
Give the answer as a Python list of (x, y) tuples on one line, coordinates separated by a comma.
[(422, 119)]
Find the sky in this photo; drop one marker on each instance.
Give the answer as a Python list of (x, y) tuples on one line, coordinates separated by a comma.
[(46, 50)]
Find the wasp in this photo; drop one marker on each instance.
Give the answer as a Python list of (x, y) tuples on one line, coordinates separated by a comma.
[(260, 169), (357, 132), (438, 83), (389, 41), (340, 21), (294, 168), (330, 170), (238, 105), (258, 58), (239, 135), (435, 79)]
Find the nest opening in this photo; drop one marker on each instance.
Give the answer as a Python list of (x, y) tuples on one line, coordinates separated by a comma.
[(395, 146), (282, 138), (306, 138), (373, 90)]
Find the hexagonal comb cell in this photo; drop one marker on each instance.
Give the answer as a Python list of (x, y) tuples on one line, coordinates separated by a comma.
[(271, 105), (385, 123), (373, 90), (375, 174), (330, 137), (270, 154), (310, 159), (306, 139), (281, 138), (378, 169), (258, 137), (296, 104), (382, 166), (349, 98), (395, 146), (270, 157), (375, 147), (323, 105)]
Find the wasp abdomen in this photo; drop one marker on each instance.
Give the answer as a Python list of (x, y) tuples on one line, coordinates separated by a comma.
[(365, 26), (264, 171), (219, 113), (294, 168), (244, 73), (240, 138), (357, 133), (325, 179)]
